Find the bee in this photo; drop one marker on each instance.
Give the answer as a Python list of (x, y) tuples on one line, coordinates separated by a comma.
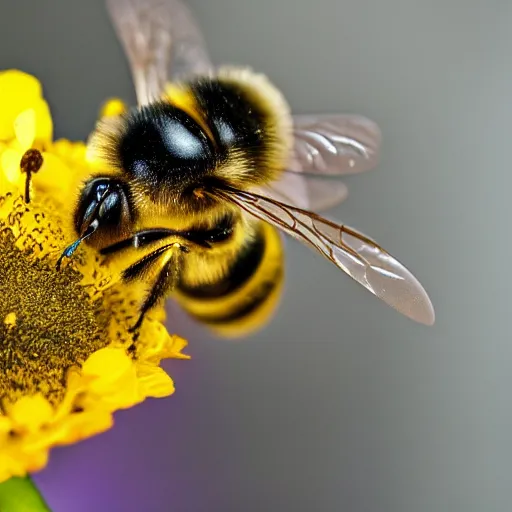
[(210, 169)]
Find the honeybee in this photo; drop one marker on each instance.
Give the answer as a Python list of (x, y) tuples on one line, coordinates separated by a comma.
[(209, 170)]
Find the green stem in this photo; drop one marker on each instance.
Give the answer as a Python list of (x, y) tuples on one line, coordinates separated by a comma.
[(21, 495)]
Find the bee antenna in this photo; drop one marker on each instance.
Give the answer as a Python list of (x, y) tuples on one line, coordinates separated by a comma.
[(70, 249)]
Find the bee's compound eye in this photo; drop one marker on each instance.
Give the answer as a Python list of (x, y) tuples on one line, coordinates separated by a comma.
[(105, 201), (100, 188)]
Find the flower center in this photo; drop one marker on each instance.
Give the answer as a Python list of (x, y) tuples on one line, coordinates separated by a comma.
[(48, 323)]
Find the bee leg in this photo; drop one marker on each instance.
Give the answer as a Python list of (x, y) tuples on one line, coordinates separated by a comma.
[(136, 271), (139, 240), (164, 284), (141, 267)]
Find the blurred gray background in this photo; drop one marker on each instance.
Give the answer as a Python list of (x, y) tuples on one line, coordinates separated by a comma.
[(340, 404)]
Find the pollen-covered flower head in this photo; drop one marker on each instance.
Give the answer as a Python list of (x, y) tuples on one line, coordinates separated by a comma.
[(67, 357)]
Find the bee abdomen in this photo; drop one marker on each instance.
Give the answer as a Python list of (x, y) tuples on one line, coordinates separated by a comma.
[(245, 299)]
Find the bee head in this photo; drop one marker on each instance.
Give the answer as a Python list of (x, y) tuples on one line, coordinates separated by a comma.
[(105, 210)]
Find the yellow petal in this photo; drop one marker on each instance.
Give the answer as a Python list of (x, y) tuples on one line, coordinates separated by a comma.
[(18, 91), (10, 162), (156, 383), (9, 466), (108, 363), (5, 425), (78, 151), (85, 424), (113, 107), (16, 84), (54, 176), (44, 124), (112, 376), (62, 147), (25, 128), (31, 412), (35, 461), (177, 345)]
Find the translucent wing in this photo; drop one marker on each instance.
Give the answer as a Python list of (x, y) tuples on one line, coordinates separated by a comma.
[(305, 192), (162, 41), (334, 144), (354, 253)]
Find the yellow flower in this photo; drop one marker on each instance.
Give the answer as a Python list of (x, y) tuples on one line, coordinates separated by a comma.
[(67, 358), (113, 107)]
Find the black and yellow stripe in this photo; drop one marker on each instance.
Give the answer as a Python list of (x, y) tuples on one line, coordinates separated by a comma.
[(246, 297)]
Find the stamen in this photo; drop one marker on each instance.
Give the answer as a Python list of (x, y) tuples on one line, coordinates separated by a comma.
[(30, 163)]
